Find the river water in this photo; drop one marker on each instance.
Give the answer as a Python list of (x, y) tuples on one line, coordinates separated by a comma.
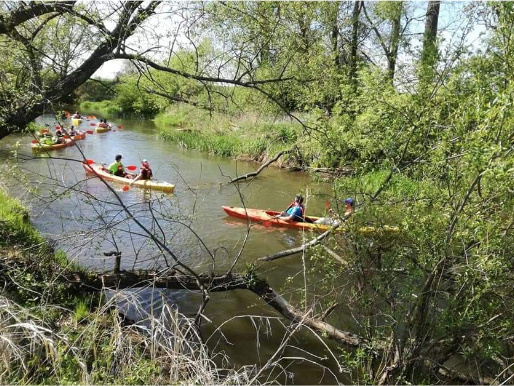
[(82, 217)]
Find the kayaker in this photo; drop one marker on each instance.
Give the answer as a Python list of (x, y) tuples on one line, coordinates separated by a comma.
[(295, 211), (72, 131), (76, 115), (332, 220), (145, 173), (116, 167)]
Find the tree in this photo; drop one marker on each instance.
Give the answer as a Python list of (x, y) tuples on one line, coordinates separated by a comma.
[(429, 53), (391, 12)]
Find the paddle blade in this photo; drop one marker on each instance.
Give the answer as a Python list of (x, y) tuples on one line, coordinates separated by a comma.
[(120, 127), (92, 124), (327, 205), (35, 141), (90, 161), (90, 131), (125, 188), (131, 167)]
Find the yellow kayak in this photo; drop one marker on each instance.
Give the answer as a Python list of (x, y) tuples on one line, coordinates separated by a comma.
[(76, 121), (102, 129), (98, 170)]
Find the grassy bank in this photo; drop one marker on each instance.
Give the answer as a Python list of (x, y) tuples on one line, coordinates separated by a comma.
[(245, 136), (53, 334), (106, 107)]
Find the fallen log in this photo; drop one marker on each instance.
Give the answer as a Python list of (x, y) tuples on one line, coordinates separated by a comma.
[(129, 279)]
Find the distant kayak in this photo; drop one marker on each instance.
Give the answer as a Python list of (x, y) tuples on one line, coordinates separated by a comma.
[(98, 170), (44, 147), (266, 218), (77, 137), (102, 129)]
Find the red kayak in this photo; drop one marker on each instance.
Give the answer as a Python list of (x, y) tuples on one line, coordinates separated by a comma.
[(265, 217)]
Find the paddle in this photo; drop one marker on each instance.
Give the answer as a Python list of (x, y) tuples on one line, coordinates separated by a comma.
[(120, 127), (92, 124), (90, 161), (34, 141), (131, 168), (90, 131)]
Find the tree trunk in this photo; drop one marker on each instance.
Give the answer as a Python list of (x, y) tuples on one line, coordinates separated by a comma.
[(429, 52), (394, 42), (355, 36), (334, 33)]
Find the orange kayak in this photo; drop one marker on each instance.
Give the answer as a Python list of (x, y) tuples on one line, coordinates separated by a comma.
[(265, 217), (43, 147), (99, 171), (77, 137)]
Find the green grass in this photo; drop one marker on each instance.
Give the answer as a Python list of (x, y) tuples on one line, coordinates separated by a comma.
[(246, 136), (106, 107), (15, 226)]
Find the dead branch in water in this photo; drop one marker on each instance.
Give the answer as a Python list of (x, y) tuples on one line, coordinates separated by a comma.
[(263, 166), (299, 249)]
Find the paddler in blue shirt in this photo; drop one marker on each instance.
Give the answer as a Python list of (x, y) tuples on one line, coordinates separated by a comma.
[(295, 211)]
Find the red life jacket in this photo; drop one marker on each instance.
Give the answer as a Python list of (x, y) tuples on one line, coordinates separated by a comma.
[(146, 172)]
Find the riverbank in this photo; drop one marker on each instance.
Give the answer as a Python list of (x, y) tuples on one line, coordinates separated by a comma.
[(53, 333), (250, 136)]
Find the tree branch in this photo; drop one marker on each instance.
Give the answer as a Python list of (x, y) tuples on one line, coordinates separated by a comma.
[(263, 166)]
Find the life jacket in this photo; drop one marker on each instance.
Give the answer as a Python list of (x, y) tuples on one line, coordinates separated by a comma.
[(146, 172), (302, 207)]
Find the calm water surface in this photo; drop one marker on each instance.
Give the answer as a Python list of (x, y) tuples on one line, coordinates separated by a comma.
[(85, 224)]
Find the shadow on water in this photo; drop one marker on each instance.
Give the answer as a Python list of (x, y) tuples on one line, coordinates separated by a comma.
[(82, 216)]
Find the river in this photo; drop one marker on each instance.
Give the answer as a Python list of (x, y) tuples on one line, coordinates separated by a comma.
[(85, 224)]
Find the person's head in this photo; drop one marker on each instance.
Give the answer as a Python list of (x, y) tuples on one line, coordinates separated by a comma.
[(76, 112), (298, 198), (145, 164), (118, 157), (349, 202)]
